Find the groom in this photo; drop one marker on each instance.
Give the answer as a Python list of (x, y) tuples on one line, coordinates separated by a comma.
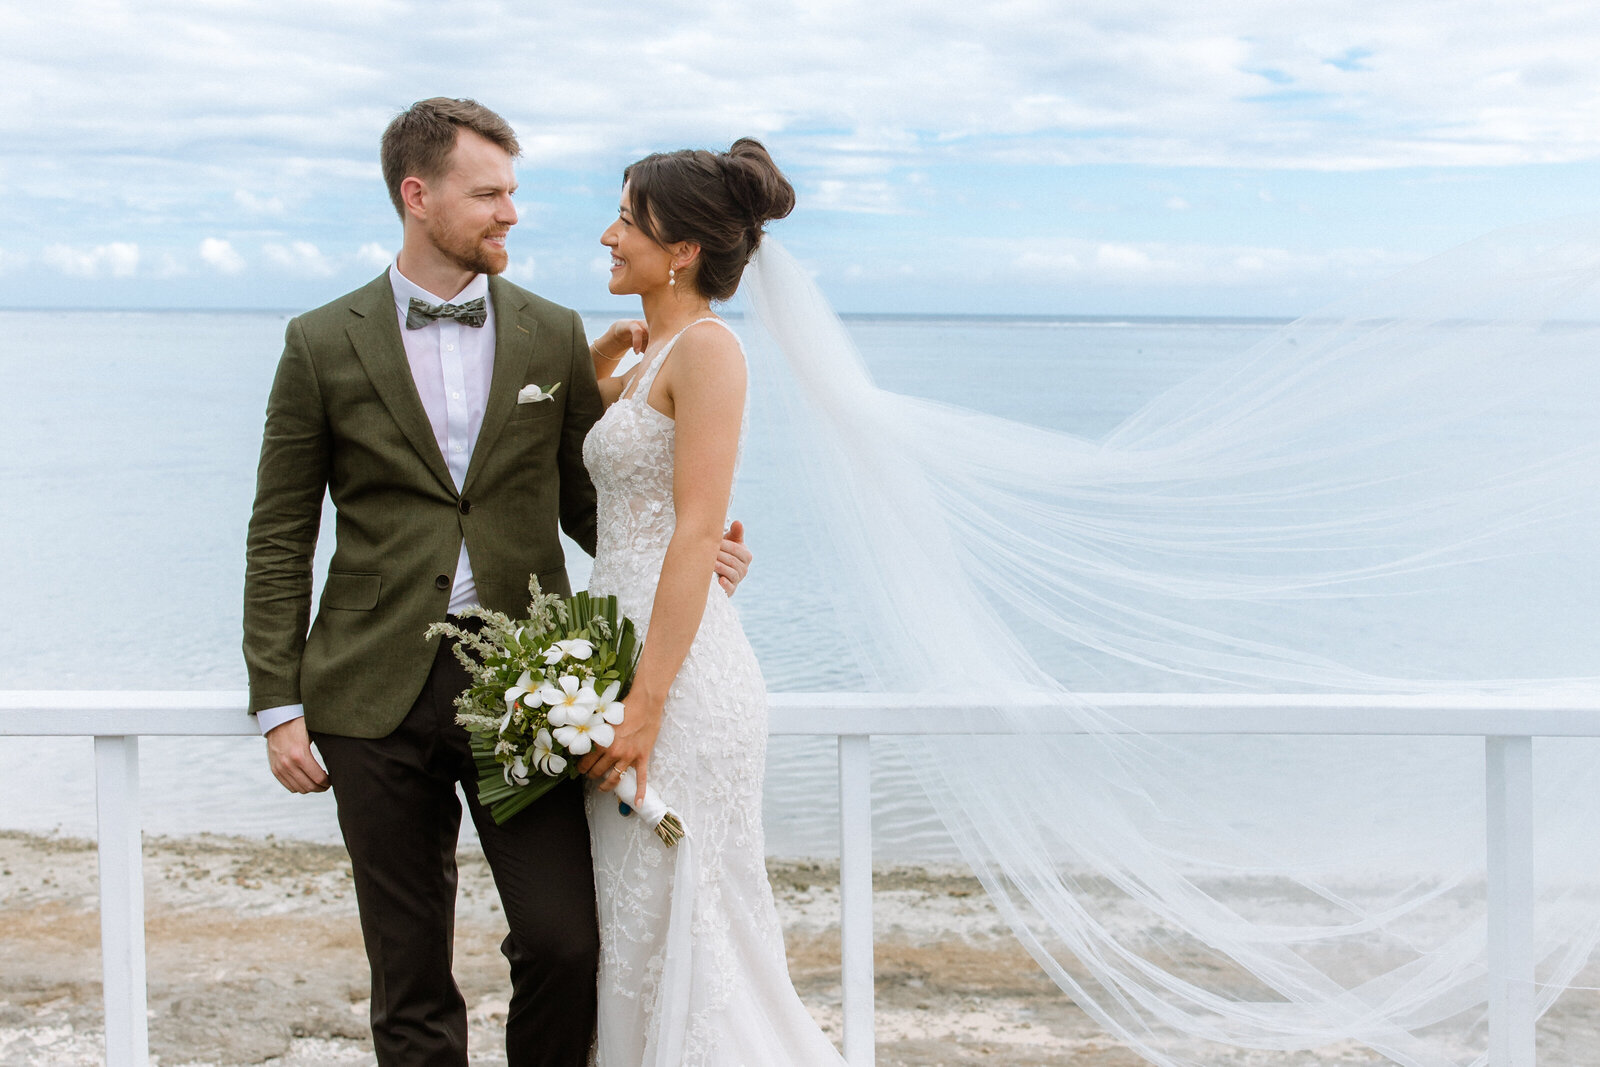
[(406, 402)]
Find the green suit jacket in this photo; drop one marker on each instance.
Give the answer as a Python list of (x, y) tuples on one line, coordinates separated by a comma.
[(344, 418)]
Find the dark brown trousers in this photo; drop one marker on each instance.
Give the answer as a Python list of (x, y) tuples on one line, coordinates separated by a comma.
[(400, 817)]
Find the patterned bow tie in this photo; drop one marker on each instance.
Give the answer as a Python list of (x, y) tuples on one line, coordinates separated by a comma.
[(420, 313)]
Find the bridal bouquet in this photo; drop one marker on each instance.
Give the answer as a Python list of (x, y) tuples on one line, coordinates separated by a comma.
[(544, 693)]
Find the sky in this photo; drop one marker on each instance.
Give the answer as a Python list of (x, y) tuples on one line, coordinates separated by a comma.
[(1245, 157)]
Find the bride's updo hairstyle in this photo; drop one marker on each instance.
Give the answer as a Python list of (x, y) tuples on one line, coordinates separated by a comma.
[(718, 200)]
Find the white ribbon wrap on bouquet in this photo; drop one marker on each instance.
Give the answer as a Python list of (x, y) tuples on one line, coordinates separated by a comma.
[(652, 809)]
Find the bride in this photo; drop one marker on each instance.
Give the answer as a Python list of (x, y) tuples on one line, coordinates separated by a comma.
[(692, 968), (1398, 495)]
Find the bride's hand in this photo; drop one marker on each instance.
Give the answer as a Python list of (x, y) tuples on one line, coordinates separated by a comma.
[(634, 740), (620, 338)]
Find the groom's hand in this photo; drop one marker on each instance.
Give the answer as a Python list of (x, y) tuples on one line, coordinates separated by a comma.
[(292, 761), (733, 561)]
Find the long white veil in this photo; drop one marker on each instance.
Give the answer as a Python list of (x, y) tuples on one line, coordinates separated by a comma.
[(1399, 493)]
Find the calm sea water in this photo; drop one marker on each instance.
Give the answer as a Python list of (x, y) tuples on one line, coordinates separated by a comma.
[(128, 444)]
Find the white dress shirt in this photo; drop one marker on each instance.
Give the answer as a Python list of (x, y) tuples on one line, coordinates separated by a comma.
[(452, 366)]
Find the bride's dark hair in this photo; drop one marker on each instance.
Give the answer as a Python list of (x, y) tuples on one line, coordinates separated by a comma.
[(718, 200)]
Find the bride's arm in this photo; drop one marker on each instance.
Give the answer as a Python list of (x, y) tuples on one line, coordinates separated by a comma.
[(608, 351), (706, 390)]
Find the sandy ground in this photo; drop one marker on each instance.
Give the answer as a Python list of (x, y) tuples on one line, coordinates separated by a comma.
[(255, 957)]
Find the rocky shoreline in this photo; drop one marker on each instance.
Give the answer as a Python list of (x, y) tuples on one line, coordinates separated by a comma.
[(255, 958)]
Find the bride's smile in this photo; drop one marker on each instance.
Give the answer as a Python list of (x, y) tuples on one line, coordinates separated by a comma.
[(638, 263)]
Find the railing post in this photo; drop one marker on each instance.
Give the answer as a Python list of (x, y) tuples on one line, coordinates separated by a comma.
[(116, 776), (1509, 762), (855, 898)]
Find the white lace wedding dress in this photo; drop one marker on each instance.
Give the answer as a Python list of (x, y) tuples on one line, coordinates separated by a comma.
[(692, 967)]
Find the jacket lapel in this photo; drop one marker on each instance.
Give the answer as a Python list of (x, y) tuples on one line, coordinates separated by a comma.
[(375, 335), (513, 349)]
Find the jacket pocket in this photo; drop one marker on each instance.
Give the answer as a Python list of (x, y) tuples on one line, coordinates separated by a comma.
[(532, 412), (349, 591)]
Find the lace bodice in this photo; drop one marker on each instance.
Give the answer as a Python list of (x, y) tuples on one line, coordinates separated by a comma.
[(629, 454)]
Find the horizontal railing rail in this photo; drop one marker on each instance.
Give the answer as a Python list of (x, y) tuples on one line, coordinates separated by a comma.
[(1508, 723), (1558, 713)]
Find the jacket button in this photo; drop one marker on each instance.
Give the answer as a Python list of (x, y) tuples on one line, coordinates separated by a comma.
[(442, 582), (466, 506)]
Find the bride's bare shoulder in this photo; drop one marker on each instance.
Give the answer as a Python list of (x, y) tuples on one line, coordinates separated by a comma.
[(708, 346), (706, 372)]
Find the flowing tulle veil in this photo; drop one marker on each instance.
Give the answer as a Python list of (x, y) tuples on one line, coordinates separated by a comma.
[(1425, 454)]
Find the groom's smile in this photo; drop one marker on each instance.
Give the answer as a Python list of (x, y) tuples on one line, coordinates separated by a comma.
[(469, 209)]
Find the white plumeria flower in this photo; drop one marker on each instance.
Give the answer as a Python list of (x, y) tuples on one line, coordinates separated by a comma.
[(571, 700), (581, 736), (533, 394), (545, 757), (517, 773), (523, 688), (576, 648), (607, 706)]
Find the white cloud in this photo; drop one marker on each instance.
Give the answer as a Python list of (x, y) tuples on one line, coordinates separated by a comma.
[(522, 271), (258, 205), (219, 254), (167, 265), (298, 257), (119, 259), (1125, 259), (374, 255), (1178, 265), (261, 120), (1340, 84), (859, 196), (1057, 263)]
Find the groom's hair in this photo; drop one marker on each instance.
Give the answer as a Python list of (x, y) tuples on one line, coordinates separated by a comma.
[(419, 141)]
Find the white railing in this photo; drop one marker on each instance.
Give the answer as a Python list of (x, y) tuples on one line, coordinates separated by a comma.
[(1508, 725)]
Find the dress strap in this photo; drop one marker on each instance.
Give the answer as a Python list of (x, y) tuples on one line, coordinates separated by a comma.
[(643, 383)]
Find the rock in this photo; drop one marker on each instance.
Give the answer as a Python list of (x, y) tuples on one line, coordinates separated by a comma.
[(324, 1020), (235, 1023)]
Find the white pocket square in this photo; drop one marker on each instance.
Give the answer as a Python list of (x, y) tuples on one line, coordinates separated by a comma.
[(532, 394)]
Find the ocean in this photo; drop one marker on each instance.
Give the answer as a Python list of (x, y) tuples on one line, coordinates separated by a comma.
[(128, 443)]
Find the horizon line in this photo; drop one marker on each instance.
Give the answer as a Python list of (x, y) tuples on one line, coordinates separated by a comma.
[(848, 316)]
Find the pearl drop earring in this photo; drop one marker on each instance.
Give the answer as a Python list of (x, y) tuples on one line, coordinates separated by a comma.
[(672, 276)]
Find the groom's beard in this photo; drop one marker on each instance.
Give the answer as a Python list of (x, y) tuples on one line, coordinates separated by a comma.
[(468, 251)]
